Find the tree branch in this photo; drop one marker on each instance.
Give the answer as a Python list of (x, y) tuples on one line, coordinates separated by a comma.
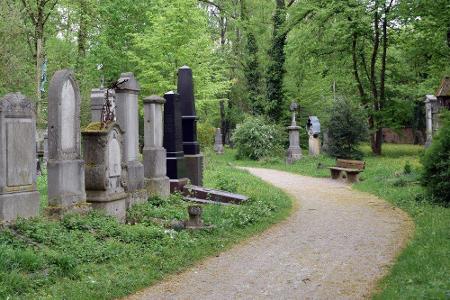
[(50, 11)]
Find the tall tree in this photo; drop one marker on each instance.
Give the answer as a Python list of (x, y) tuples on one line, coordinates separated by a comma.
[(37, 13)]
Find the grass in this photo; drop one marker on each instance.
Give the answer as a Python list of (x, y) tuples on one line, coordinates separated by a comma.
[(95, 257), (422, 271)]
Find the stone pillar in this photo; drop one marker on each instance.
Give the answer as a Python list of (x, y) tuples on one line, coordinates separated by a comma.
[(294, 152), (103, 157), (218, 146), (191, 148), (431, 123), (156, 181), (173, 141), (65, 166), (18, 194), (128, 119)]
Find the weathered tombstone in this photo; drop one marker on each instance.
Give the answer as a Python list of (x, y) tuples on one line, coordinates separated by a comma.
[(18, 195), (218, 146), (65, 166), (127, 92), (156, 181), (294, 152), (173, 142), (326, 141), (313, 127), (431, 110), (192, 156), (98, 101), (102, 154)]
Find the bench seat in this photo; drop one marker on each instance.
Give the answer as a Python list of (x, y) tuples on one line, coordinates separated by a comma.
[(349, 169)]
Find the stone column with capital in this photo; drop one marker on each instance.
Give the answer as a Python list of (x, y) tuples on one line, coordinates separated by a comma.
[(155, 167), (191, 148), (126, 94), (294, 151)]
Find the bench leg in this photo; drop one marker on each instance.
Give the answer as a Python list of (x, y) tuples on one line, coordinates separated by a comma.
[(352, 177), (335, 174)]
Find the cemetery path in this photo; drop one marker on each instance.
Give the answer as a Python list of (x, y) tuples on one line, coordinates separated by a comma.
[(336, 245)]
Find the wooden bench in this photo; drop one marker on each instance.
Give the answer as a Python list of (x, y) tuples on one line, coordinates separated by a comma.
[(349, 169)]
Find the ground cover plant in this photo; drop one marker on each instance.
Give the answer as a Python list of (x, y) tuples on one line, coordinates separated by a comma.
[(421, 271), (95, 257)]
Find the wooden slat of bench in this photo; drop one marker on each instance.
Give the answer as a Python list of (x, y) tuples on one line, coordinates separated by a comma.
[(350, 164), (346, 169)]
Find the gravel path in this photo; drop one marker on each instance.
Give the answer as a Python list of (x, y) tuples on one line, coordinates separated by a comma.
[(336, 245)]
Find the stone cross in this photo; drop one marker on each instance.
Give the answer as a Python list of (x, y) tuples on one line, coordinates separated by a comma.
[(18, 195), (103, 157), (155, 168), (218, 146), (191, 148), (173, 139), (127, 92), (65, 166)]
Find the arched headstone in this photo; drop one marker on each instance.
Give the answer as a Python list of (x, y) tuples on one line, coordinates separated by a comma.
[(65, 166)]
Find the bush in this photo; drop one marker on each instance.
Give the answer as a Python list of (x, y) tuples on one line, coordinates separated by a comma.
[(205, 135), (346, 130), (436, 163), (255, 138)]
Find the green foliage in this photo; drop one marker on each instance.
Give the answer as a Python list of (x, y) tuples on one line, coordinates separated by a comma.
[(436, 164), (347, 129), (95, 257), (255, 138), (205, 134)]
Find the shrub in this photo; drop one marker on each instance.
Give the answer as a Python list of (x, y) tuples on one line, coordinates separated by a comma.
[(347, 129), (436, 164), (205, 134), (255, 138)]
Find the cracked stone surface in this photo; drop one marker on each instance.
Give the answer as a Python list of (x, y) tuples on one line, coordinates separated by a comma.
[(337, 244)]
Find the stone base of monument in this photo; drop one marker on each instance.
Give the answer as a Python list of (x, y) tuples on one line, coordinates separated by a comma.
[(177, 185), (293, 154), (218, 148), (57, 212), (136, 197), (194, 168), (314, 146), (23, 205), (67, 178), (157, 186), (114, 204), (135, 174)]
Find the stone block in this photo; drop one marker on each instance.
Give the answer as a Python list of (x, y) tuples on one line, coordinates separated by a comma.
[(15, 205), (194, 168), (66, 182), (158, 186), (116, 208), (135, 176), (155, 162)]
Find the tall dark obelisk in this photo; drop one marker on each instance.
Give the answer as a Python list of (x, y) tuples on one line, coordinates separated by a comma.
[(193, 157), (173, 142)]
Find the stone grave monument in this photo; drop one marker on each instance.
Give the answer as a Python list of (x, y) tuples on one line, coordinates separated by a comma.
[(65, 167), (98, 101), (173, 142), (218, 146), (156, 181), (294, 152), (192, 156), (18, 194), (126, 97), (102, 154), (313, 127)]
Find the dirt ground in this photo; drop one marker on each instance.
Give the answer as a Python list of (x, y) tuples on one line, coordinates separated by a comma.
[(336, 245)]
